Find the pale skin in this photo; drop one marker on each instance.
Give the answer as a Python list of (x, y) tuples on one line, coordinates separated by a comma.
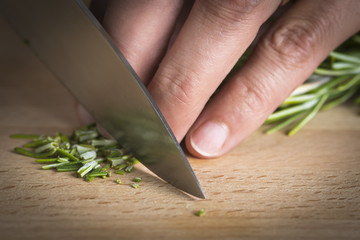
[(182, 51)]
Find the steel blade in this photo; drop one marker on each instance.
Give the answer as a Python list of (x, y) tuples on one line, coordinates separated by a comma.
[(75, 48)]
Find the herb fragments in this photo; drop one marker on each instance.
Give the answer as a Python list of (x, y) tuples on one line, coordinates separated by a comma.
[(86, 152), (200, 213), (137, 179)]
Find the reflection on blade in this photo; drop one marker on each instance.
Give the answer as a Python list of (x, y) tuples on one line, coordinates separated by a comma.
[(154, 148)]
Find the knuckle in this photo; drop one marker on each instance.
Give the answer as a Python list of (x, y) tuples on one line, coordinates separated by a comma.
[(254, 97), (180, 87), (294, 42), (229, 11)]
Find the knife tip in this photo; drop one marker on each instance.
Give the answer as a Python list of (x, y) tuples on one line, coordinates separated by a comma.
[(198, 192), (202, 196)]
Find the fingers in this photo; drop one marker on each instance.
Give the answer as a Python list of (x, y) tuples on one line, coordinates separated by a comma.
[(183, 15), (286, 55), (141, 30), (213, 37)]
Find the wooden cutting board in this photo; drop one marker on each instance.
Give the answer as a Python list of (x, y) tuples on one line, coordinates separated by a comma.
[(278, 187)]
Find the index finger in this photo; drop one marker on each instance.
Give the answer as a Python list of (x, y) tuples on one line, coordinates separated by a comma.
[(141, 30), (212, 39)]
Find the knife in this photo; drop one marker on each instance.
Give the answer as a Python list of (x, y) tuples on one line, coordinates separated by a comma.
[(70, 42)]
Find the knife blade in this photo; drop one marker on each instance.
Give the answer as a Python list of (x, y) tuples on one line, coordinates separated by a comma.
[(70, 42)]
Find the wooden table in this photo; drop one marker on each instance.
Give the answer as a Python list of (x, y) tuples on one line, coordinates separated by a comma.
[(270, 187)]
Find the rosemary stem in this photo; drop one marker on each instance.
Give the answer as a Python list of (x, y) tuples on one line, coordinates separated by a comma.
[(98, 174), (352, 82), (64, 153), (24, 136), (324, 88), (25, 152), (309, 116), (284, 123), (339, 100), (52, 165), (300, 98), (328, 72), (290, 111), (345, 57), (46, 160), (308, 86)]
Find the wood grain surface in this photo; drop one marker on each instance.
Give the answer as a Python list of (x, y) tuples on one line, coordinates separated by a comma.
[(270, 187)]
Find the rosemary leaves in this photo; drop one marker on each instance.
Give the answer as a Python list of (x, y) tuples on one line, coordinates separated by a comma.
[(86, 153), (200, 213), (334, 82)]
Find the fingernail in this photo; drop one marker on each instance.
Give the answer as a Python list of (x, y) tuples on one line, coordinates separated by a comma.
[(209, 138)]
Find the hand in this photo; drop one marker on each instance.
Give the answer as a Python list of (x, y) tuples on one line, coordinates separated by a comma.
[(182, 51)]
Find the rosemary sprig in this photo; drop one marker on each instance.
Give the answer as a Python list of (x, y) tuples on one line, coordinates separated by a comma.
[(334, 82)]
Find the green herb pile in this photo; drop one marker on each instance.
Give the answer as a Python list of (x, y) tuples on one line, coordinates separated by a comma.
[(86, 152), (334, 82)]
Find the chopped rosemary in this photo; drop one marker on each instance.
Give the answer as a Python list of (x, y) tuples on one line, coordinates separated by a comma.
[(103, 142), (98, 174), (86, 168), (135, 185), (62, 160), (115, 161), (64, 153), (129, 169), (118, 181), (120, 172), (121, 166), (54, 165), (82, 148), (70, 167), (105, 167), (24, 136), (200, 213), (85, 152), (137, 179), (25, 152), (46, 147), (89, 178), (46, 160), (132, 161), (90, 155)]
